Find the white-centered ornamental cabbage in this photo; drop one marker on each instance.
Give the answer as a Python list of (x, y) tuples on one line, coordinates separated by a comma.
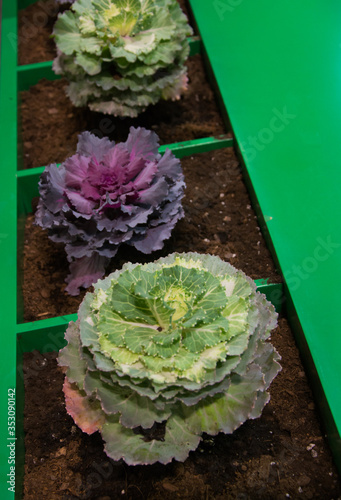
[(120, 56), (166, 351)]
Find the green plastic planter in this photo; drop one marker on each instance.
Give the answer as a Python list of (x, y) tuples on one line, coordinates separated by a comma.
[(294, 186)]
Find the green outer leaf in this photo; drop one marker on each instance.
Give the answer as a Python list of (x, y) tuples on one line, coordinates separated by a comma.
[(131, 406), (143, 388), (70, 356), (190, 398), (67, 35), (226, 412), (262, 399), (90, 63), (103, 362), (121, 442)]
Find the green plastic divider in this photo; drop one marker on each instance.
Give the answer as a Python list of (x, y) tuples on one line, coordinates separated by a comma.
[(278, 67), (8, 141), (194, 45), (30, 74), (187, 148)]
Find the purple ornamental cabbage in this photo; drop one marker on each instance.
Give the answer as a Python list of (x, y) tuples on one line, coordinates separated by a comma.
[(106, 195)]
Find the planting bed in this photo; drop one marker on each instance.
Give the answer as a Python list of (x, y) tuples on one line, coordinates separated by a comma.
[(281, 455)]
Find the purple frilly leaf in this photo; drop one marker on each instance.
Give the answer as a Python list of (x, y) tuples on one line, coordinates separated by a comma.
[(146, 176), (154, 238), (116, 161), (84, 272), (142, 142), (155, 194), (169, 165), (52, 185), (76, 168), (91, 145), (81, 204), (135, 166)]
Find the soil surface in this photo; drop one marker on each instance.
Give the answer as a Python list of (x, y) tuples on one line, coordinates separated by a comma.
[(283, 454)]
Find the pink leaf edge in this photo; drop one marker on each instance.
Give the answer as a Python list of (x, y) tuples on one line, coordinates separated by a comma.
[(88, 418)]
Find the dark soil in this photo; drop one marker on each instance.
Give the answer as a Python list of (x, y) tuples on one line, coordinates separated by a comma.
[(281, 455)]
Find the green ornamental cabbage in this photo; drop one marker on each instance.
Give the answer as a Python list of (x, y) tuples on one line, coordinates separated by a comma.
[(122, 55), (163, 352)]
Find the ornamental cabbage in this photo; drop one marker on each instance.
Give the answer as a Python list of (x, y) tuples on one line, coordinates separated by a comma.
[(106, 195), (165, 351), (120, 56)]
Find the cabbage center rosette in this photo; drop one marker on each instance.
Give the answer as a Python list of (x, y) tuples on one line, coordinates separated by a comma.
[(177, 345), (120, 56), (106, 195)]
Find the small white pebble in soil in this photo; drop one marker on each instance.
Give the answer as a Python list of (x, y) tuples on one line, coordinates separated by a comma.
[(310, 446), (300, 489), (314, 453), (123, 492), (222, 195), (223, 202), (248, 207), (206, 240)]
